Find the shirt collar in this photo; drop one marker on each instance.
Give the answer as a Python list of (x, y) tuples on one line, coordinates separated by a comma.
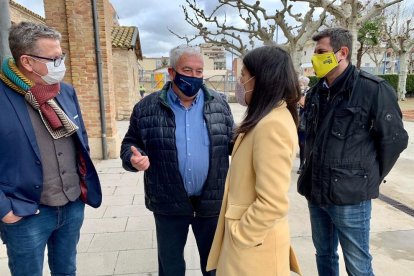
[(339, 80), (325, 84), (176, 100)]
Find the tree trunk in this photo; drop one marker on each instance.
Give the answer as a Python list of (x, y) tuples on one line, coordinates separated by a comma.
[(402, 76), (296, 55), (377, 66), (4, 30), (359, 55), (353, 29)]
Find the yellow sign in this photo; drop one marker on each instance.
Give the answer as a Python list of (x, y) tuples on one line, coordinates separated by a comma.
[(159, 80)]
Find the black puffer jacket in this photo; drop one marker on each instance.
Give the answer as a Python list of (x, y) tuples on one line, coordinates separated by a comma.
[(353, 139), (152, 131)]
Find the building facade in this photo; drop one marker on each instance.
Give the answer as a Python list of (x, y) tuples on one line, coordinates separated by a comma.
[(214, 56)]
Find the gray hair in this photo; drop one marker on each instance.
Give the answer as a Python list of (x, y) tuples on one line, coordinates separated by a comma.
[(23, 38), (184, 49), (338, 37), (304, 80)]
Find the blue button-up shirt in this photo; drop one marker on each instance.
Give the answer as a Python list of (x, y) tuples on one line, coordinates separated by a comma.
[(192, 141)]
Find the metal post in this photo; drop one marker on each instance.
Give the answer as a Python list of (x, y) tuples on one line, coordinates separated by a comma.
[(4, 30), (100, 80)]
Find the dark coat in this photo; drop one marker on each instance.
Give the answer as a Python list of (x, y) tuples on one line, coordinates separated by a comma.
[(21, 177), (152, 132), (352, 141)]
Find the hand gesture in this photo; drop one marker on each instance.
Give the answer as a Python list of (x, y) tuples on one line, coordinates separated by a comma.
[(138, 161)]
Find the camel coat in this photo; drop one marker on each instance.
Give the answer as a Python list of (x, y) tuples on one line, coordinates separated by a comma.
[(252, 235)]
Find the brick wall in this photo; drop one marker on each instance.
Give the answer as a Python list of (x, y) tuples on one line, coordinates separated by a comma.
[(125, 68), (73, 18)]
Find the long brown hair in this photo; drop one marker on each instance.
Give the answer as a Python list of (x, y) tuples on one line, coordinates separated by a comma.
[(275, 81)]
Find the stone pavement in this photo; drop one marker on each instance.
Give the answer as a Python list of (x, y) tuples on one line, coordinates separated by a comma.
[(119, 237)]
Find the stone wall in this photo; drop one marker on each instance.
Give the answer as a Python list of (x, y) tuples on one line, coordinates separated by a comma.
[(126, 88)]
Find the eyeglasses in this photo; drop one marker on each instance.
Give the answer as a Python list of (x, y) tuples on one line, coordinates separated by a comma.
[(56, 61)]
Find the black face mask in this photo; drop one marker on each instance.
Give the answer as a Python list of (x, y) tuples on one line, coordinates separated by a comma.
[(188, 85)]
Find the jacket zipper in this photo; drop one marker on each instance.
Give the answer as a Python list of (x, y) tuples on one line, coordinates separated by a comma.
[(176, 150)]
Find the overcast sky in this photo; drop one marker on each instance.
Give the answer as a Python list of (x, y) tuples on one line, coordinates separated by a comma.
[(153, 18)]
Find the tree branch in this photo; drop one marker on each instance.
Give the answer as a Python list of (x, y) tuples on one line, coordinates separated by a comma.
[(377, 9)]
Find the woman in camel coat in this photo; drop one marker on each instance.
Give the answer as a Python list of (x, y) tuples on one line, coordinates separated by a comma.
[(252, 236)]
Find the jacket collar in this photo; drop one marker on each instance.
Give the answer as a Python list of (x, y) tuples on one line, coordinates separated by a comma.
[(240, 137), (342, 83)]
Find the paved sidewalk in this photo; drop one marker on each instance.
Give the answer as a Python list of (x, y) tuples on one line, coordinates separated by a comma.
[(119, 237)]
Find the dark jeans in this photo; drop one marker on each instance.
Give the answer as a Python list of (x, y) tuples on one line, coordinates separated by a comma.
[(172, 234), (350, 225), (56, 227)]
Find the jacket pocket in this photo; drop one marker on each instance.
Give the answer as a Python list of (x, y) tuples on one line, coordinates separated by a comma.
[(348, 186), (232, 219), (235, 211), (346, 122)]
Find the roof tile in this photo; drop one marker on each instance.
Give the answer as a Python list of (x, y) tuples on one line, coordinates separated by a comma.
[(122, 37)]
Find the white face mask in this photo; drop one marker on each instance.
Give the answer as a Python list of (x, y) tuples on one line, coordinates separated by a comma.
[(55, 74)]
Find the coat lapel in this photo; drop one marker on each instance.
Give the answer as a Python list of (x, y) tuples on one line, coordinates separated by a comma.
[(237, 143), (19, 105), (60, 99)]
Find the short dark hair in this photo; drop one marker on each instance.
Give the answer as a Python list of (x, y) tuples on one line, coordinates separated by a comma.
[(339, 37), (275, 81)]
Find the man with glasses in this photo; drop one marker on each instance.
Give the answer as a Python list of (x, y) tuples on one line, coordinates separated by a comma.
[(354, 135), (180, 138), (47, 175)]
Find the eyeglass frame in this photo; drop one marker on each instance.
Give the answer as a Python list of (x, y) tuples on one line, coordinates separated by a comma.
[(56, 61)]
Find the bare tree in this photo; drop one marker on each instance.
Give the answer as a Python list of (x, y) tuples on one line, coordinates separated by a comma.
[(352, 14), (374, 52), (4, 30), (401, 39), (258, 26)]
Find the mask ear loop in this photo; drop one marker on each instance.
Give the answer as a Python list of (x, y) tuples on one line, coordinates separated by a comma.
[(337, 52), (34, 69)]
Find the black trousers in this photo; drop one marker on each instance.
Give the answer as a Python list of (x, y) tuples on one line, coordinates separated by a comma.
[(172, 232)]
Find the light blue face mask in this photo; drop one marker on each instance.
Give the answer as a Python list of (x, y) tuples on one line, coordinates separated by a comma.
[(188, 85)]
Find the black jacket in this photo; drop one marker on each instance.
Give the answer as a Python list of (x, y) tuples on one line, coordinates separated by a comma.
[(152, 131), (354, 136)]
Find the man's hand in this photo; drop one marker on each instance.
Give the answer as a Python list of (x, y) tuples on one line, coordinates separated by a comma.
[(138, 161), (10, 218)]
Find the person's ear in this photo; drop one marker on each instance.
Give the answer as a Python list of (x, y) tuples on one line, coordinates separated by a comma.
[(344, 52), (171, 72), (26, 62)]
